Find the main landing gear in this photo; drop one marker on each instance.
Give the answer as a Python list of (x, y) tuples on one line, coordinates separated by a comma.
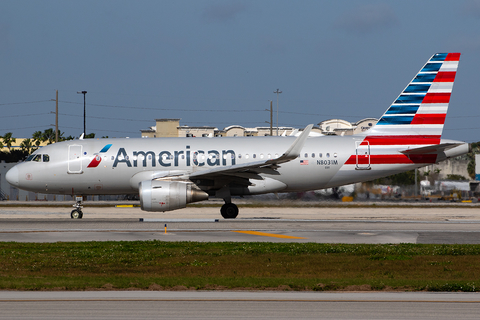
[(77, 212), (229, 210)]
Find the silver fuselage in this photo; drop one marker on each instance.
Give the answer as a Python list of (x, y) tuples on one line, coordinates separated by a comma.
[(79, 167)]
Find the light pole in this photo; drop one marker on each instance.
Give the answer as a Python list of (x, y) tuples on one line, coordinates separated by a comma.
[(84, 112), (277, 92)]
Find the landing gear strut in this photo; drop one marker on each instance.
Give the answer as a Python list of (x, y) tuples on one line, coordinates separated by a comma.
[(229, 211), (77, 212)]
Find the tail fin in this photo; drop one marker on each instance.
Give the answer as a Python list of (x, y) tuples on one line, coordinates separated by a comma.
[(417, 116)]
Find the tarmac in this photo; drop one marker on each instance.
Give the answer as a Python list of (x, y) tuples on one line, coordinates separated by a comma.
[(411, 211)]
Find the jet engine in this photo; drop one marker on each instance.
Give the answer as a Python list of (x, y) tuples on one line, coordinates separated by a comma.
[(168, 195)]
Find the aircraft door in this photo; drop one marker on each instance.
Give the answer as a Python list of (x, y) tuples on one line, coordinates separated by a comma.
[(363, 155), (75, 159)]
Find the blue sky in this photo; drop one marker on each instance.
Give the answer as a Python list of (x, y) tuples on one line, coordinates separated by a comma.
[(217, 63)]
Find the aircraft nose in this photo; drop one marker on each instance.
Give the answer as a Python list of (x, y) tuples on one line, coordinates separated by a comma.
[(12, 176)]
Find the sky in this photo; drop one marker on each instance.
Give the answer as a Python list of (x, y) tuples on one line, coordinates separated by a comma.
[(218, 63)]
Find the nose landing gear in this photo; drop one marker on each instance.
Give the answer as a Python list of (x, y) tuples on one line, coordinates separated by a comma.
[(77, 212)]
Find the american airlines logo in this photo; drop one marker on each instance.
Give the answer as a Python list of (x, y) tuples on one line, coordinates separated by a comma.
[(98, 158), (176, 158)]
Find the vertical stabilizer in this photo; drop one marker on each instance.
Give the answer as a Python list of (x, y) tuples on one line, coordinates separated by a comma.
[(417, 116)]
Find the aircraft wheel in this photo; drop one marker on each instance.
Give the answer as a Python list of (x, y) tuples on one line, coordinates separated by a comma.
[(76, 214), (229, 211)]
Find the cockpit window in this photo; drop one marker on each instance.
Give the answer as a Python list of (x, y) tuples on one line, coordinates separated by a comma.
[(38, 157)]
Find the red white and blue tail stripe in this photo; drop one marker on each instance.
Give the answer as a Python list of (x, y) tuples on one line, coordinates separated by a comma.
[(418, 114), (410, 130)]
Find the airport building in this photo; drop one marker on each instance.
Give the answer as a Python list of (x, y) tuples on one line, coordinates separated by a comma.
[(345, 128), (172, 128)]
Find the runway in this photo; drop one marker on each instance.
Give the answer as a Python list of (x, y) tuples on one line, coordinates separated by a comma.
[(238, 305), (327, 225), (411, 224), (246, 230)]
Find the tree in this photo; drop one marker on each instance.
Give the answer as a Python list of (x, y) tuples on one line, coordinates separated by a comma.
[(27, 145), (400, 179), (8, 140), (37, 138), (49, 135), (471, 157), (70, 137)]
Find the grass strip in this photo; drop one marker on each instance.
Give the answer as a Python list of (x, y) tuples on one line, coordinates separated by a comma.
[(157, 265)]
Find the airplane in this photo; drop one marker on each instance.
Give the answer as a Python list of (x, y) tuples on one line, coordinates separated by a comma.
[(169, 173)]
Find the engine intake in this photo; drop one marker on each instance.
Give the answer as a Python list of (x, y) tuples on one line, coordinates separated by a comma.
[(168, 195)]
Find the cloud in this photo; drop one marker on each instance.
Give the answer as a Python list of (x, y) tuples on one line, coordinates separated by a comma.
[(223, 12), (367, 18)]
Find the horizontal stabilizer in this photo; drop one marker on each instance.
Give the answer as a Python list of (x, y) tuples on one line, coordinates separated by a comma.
[(436, 148)]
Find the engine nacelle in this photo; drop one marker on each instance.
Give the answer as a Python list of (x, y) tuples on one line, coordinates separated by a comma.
[(168, 195)]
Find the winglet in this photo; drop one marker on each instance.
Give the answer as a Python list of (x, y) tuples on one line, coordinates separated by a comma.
[(294, 151)]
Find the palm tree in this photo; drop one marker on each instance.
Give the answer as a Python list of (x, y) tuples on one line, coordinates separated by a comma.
[(27, 145), (8, 140), (37, 138), (49, 135)]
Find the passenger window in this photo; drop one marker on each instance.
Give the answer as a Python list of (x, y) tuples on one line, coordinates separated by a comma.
[(327, 155), (313, 155), (320, 155), (239, 156), (335, 155), (306, 155), (254, 155), (46, 158)]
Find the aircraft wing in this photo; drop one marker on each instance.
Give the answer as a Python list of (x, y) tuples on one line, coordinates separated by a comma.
[(252, 169)]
